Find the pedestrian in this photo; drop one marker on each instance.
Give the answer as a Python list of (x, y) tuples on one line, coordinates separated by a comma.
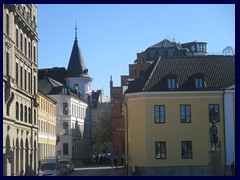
[(96, 158)]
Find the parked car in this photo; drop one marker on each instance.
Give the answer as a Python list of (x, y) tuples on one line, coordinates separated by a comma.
[(63, 170), (68, 163), (49, 167)]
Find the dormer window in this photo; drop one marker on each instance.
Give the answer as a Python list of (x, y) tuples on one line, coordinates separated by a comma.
[(171, 83), (199, 83)]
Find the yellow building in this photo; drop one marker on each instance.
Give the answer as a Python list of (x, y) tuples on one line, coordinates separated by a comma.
[(47, 127), (168, 113)]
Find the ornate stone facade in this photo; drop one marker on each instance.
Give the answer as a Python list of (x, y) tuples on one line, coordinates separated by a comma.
[(20, 128)]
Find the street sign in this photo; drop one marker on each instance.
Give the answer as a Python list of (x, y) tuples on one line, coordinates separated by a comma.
[(126, 157)]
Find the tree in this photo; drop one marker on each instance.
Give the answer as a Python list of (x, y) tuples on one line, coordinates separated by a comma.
[(103, 131)]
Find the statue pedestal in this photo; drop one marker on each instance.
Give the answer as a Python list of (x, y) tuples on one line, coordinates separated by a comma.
[(214, 163)]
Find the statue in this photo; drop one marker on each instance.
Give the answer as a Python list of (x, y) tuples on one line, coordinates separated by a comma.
[(213, 133)]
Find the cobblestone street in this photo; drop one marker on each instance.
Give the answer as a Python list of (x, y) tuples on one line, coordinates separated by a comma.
[(99, 171)]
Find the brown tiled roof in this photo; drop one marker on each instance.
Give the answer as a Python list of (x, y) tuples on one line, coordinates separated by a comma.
[(218, 72)]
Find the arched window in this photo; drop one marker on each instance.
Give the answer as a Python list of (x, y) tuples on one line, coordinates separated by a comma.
[(29, 115), (17, 110), (65, 108), (21, 112), (35, 117), (65, 128), (25, 113)]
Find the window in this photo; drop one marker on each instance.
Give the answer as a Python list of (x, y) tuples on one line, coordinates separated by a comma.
[(65, 108), (21, 112), (193, 48), (7, 63), (88, 87), (65, 128), (186, 149), (7, 24), (34, 54), (30, 115), (65, 148), (160, 150), (16, 73), (25, 46), (34, 90), (204, 48), (17, 110), (21, 42), (171, 83), (65, 91), (159, 114), (214, 113), (199, 83), (25, 113), (17, 37), (185, 113), (25, 79), (29, 82), (21, 76), (29, 50), (35, 116), (76, 86)]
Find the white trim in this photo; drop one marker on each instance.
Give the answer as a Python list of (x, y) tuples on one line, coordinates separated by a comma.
[(230, 87), (190, 97), (173, 92)]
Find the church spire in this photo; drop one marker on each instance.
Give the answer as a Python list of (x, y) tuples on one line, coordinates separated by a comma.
[(75, 30), (76, 65)]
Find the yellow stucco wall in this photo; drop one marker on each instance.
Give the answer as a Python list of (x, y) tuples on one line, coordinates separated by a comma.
[(143, 132)]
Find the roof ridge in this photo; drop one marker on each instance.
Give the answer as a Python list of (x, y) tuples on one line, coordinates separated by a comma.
[(151, 74)]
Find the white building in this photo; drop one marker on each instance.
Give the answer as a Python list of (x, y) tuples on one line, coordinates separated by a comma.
[(71, 89)]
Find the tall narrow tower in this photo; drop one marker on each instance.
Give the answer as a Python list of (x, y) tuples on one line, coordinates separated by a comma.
[(77, 74)]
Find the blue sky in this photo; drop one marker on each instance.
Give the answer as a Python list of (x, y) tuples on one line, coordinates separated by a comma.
[(110, 35)]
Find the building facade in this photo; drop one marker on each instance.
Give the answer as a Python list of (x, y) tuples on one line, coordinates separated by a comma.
[(71, 88), (101, 109), (164, 48), (47, 127), (168, 113), (20, 62)]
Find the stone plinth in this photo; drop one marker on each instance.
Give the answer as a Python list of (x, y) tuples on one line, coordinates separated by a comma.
[(214, 163)]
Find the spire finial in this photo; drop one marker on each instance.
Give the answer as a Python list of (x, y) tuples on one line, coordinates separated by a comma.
[(75, 30)]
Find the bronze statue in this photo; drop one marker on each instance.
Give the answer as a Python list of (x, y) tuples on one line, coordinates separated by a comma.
[(213, 133)]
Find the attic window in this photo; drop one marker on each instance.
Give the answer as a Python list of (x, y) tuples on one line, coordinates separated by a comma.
[(64, 91), (171, 83), (200, 82)]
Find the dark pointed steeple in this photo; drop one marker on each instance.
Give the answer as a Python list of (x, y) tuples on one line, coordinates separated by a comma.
[(76, 65)]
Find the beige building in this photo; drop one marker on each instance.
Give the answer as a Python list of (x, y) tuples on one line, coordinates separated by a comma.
[(47, 121), (168, 113), (20, 128)]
